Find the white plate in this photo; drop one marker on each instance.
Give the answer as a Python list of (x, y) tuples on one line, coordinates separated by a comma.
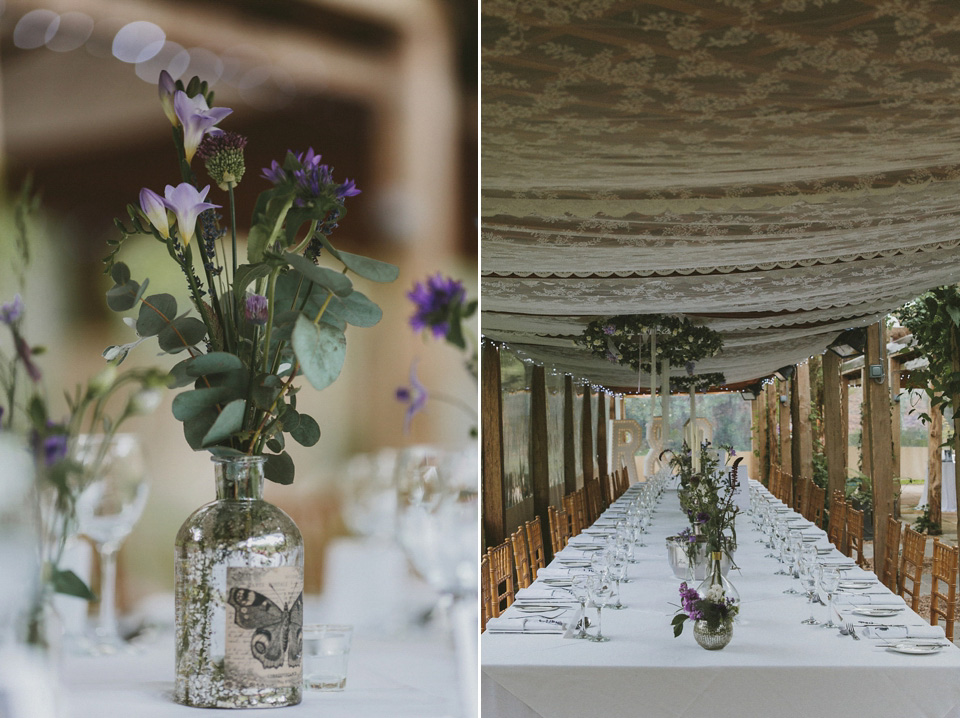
[(857, 584), (915, 648), (575, 562), (877, 612), (591, 548)]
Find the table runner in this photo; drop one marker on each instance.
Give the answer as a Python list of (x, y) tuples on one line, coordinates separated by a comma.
[(773, 666)]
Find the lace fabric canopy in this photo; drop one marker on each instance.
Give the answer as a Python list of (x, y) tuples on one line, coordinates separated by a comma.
[(777, 171)]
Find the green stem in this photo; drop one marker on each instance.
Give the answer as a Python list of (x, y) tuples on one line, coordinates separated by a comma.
[(271, 287), (233, 229), (453, 401), (300, 247)]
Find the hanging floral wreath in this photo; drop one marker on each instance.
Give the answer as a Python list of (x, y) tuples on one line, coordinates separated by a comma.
[(700, 382), (617, 339)]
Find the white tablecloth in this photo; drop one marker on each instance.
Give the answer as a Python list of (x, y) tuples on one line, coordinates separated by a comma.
[(400, 677), (948, 488), (774, 666)]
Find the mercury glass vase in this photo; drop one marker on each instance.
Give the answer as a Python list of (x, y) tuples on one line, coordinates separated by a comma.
[(713, 639), (239, 597)]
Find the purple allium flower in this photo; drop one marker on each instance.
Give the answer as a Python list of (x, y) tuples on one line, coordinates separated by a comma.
[(256, 309), (434, 300), (222, 155), (415, 395), (690, 366), (187, 204), (12, 311), (167, 87), (197, 119), (609, 329)]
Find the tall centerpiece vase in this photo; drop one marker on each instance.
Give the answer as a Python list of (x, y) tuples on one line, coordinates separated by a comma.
[(715, 577), (239, 597)]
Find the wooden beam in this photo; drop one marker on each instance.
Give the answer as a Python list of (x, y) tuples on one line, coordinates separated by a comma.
[(603, 468), (895, 423), (881, 443), (586, 436), (845, 424), (539, 453), (773, 426), (866, 460), (761, 452), (491, 427), (783, 412), (802, 440), (569, 435), (834, 446), (934, 465)]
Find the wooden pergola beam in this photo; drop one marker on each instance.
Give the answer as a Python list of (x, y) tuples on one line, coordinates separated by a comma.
[(835, 447), (877, 394), (586, 438), (802, 438), (491, 436), (569, 436), (602, 464), (539, 452)]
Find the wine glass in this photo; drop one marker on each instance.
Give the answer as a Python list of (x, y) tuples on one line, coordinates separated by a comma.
[(617, 567), (601, 593), (580, 585), (112, 495), (829, 582), (808, 575)]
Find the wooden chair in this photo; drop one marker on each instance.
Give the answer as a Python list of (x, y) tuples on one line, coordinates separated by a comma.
[(538, 557), (500, 576), (573, 504), (838, 497), (891, 556), (486, 602), (817, 496), (944, 570), (801, 497), (559, 528), (838, 520), (853, 537), (606, 489), (911, 565), (521, 558), (594, 502)]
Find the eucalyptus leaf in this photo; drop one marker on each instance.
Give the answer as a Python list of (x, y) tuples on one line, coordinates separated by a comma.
[(190, 404), (195, 429), (265, 391), (372, 269), (156, 313), (181, 334), (178, 376), (276, 444), (336, 282), (321, 350), (289, 418), (213, 363), (355, 309), (307, 432), (257, 239), (70, 584), (123, 297), (229, 421), (279, 468), (120, 273), (225, 452), (248, 273)]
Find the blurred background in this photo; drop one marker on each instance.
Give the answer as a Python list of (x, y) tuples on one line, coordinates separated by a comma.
[(385, 90)]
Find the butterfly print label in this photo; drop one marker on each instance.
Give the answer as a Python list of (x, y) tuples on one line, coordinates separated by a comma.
[(264, 632)]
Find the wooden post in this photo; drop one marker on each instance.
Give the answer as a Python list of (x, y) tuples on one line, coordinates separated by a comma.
[(569, 450), (786, 452), (802, 443), (845, 424), (773, 445), (934, 465), (895, 423), (880, 445), (586, 436), (603, 468), (759, 437), (491, 419), (539, 456), (834, 446), (866, 460)]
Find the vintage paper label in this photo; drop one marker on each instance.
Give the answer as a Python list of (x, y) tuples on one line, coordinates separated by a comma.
[(264, 631)]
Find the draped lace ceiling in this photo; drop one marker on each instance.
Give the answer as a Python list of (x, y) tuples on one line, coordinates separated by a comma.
[(779, 171)]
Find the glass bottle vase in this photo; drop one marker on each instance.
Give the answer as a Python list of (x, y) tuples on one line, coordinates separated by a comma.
[(239, 597), (715, 577)]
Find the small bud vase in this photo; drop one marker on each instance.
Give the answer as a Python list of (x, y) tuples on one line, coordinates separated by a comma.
[(239, 597), (715, 576), (713, 639)]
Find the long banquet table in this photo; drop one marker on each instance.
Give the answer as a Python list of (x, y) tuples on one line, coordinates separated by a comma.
[(774, 666)]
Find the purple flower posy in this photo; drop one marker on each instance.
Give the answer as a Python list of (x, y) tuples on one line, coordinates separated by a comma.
[(433, 301), (11, 311), (415, 396), (256, 309)]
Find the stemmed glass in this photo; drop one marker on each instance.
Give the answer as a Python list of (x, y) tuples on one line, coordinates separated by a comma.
[(601, 593), (113, 494), (808, 575), (829, 582), (580, 586), (617, 567)]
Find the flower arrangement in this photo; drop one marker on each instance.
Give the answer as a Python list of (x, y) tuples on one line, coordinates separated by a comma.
[(261, 324), (708, 499), (713, 607), (440, 305), (91, 408), (679, 340), (699, 382)]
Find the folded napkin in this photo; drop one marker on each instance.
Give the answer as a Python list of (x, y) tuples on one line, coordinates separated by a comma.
[(874, 600), (560, 572), (586, 540), (924, 631), (836, 561), (526, 624), (545, 593)]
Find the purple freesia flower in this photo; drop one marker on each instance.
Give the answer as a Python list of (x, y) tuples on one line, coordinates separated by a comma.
[(187, 204), (348, 189), (415, 396), (11, 311), (167, 87), (256, 309), (155, 210), (197, 119), (433, 301)]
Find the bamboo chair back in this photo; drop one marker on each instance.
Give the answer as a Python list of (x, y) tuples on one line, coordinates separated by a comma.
[(944, 605), (891, 556), (594, 501), (538, 557), (838, 520), (853, 538), (606, 486), (500, 576), (801, 497), (559, 528), (573, 506), (911, 565), (521, 558), (486, 600), (817, 497)]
